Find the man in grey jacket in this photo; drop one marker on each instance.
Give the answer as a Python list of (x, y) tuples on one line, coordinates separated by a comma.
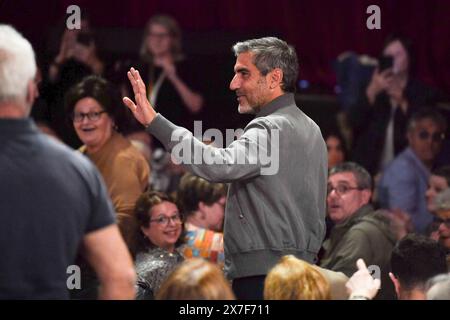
[(277, 168)]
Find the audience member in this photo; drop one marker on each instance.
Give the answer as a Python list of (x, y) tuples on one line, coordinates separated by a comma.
[(359, 231), (171, 81), (203, 205), (95, 112), (438, 287), (53, 200), (196, 279), (404, 182), (414, 260), (380, 115), (159, 239), (295, 279), (79, 45), (336, 149), (439, 181)]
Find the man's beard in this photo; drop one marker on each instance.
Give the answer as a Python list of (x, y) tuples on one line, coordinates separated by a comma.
[(249, 109)]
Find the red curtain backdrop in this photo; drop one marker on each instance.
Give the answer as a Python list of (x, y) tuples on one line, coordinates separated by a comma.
[(319, 29)]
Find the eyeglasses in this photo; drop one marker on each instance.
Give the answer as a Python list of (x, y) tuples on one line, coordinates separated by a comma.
[(444, 221), (436, 137), (93, 116), (164, 221), (341, 189), (159, 35)]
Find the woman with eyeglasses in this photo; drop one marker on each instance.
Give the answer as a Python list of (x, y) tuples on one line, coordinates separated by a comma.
[(96, 111), (172, 80), (159, 238)]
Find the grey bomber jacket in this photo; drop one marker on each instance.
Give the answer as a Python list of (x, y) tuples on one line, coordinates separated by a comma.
[(277, 172)]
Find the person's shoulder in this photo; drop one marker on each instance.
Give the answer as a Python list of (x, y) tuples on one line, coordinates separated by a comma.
[(267, 122), (156, 260), (68, 161), (62, 154), (404, 162), (372, 224), (126, 152)]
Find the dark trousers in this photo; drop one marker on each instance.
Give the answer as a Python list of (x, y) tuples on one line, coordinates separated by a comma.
[(249, 288)]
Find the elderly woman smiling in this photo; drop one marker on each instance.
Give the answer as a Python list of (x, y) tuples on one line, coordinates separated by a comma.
[(95, 108)]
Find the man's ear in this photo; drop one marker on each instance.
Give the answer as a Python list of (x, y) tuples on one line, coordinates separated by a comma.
[(367, 195), (32, 93), (276, 78), (396, 283)]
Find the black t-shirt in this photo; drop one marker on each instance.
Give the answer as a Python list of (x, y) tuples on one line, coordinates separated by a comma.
[(50, 197)]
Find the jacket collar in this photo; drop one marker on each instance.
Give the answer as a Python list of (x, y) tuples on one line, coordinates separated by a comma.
[(358, 215), (17, 126), (277, 103)]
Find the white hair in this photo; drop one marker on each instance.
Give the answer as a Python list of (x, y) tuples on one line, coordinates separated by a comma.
[(17, 65)]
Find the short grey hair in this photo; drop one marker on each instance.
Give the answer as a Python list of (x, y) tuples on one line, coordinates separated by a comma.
[(438, 287), (17, 64), (362, 176), (270, 53), (427, 113)]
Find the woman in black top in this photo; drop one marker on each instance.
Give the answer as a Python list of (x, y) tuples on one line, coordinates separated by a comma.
[(167, 74)]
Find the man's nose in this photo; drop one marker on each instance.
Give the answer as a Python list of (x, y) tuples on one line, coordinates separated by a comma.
[(330, 196), (234, 84)]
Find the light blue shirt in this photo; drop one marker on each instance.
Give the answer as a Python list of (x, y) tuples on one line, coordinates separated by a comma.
[(403, 186)]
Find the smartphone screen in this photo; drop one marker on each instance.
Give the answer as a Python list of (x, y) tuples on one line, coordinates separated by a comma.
[(385, 62)]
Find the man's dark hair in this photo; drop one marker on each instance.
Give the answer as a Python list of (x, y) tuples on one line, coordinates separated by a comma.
[(270, 53), (415, 259), (363, 178), (427, 113), (443, 172)]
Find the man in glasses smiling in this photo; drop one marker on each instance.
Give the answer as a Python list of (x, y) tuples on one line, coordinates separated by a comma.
[(404, 182)]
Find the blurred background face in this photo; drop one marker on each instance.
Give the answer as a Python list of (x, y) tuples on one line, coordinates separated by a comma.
[(400, 56), (342, 206), (214, 215), (436, 184), (335, 151), (93, 133), (425, 140), (444, 229), (161, 233), (159, 40)]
